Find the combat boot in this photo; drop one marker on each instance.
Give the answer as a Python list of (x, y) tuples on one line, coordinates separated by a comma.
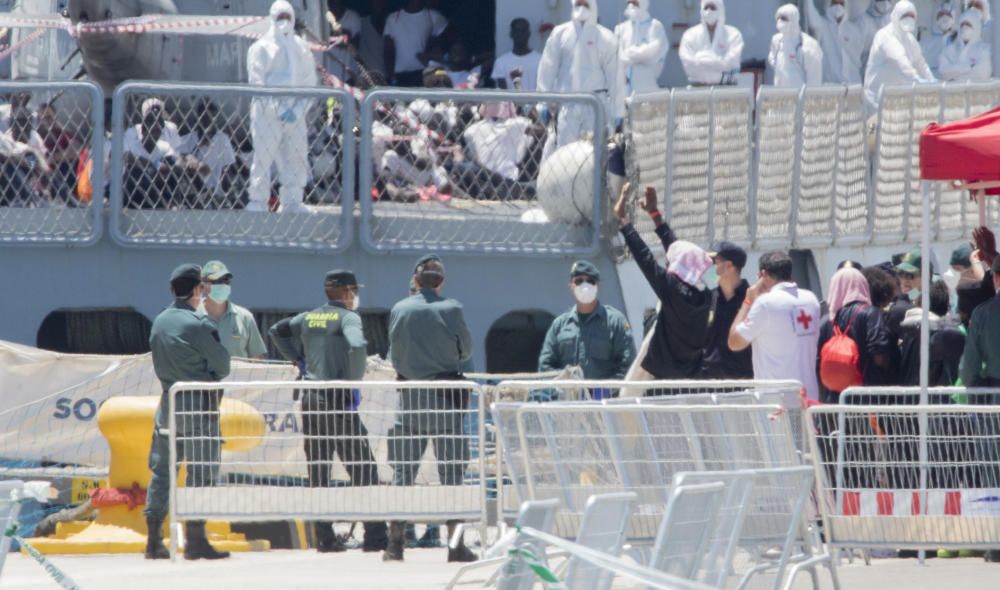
[(326, 540), (460, 553), (397, 534), (154, 539), (197, 546)]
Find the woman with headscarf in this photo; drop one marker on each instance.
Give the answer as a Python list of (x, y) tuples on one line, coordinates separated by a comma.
[(684, 289), (851, 310)]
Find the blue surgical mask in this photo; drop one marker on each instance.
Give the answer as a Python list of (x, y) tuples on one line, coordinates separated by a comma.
[(220, 293), (914, 294), (711, 278)]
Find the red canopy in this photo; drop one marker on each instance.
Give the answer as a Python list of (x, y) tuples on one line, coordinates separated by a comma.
[(967, 150)]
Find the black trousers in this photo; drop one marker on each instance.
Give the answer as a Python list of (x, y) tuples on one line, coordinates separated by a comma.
[(331, 429)]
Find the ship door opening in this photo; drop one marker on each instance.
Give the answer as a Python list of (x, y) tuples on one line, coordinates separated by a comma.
[(95, 331), (514, 341)]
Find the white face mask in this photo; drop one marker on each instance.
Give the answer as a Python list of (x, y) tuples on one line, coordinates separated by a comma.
[(908, 24), (711, 278), (967, 34), (581, 14), (782, 26), (951, 278), (882, 6), (220, 293), (710, 17), (356, 304), (914, 294), (945, 23), (585, 293), (837, 11), (284, 26), (632, 12)]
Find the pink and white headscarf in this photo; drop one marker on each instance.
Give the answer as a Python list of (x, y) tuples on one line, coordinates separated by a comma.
[(688, 262), (847, 286)]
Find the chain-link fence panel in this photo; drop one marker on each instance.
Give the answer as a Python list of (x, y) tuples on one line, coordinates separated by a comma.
[(732, 153), (779, 127), (852, 204), (647, 157), (893, 148), (497, 172), (232, 166), (51, 163)]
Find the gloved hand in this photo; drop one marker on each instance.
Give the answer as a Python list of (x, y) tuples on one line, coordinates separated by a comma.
[(300, 364), (543, 114), (288, 116)]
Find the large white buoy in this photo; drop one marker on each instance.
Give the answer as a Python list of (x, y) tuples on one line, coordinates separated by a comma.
[(566, 184)]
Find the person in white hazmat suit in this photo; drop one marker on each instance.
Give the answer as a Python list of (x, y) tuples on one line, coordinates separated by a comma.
[(967, 58), (941, 34), (841, 40), (983, 6), (877, 15), (580, 56), (711, 52), (795, 57), (896, 59), (642, 50), (278, 124)]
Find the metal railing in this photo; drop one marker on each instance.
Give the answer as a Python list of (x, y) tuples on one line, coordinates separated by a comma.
[(436, 174), (52, 145), (232, 166)]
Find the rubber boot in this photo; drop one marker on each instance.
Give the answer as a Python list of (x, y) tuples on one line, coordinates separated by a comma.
[(197, 546), (154, 540), (326, 540), (397, 534), (431, 539), (375, 537), (460, 553)]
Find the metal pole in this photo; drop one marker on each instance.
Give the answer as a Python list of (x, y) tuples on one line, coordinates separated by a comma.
[(925, 335)]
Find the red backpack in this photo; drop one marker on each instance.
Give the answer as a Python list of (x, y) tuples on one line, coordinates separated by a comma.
[(839, 360)]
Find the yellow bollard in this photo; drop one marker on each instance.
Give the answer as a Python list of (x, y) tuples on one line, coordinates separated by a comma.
[(127, 424)]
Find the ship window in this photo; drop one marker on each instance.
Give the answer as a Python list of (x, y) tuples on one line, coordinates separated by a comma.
[(515, 340), (95, 331)]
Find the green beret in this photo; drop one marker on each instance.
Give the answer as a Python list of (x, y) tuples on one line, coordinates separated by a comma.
[(583, 267)]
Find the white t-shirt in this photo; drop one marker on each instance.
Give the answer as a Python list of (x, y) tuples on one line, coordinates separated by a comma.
[(499, 145), (783, 327), (509, 62), (411, 32), (217, 154), (372, 49), (339, 60), (133, 144)]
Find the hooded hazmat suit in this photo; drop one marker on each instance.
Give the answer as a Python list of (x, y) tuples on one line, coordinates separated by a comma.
[(580, 56), (967, 58), (941, 34), (795, 57), (278, 124), (841, 40), (871, 21), (896, 59), (710, 57), (989, 34), (642, 50)]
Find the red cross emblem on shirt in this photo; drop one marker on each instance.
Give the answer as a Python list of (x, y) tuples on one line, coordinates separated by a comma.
[(804, 319)]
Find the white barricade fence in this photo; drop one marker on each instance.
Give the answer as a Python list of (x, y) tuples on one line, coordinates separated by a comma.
[(903, 113), (358, 450), (909, 476)]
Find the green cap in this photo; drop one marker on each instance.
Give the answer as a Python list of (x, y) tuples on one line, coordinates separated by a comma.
[(425, 259), (186, 271), (341, 278), (583, 267), (214, 270), (962, 256), (910, 262)]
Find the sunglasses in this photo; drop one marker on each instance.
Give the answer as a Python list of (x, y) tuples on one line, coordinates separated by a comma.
[(582, 280)]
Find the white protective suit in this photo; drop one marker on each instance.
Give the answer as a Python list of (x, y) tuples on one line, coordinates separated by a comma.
[(580, 57), (642, 51), (278, 125), (933, 42), (708, 58), (795, 57), (967, 60), (895, 59), (842, 43), (872, 20), (986, 12)]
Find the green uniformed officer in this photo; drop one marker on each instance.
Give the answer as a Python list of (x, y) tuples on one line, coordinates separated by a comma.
[(237, 328), (185, 347), (593, 336), (429, 341), (980, 365), (331, 343)]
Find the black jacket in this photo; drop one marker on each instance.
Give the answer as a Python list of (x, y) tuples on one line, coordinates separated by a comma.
[(719, 361), (681, 332), (870, 333)]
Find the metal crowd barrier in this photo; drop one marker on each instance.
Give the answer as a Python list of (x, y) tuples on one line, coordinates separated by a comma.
[(347, 451), (49, 160), (908, 476), (206, 193), (436, 174)]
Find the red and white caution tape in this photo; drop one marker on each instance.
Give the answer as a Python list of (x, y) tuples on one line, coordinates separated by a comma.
[(28, 40)]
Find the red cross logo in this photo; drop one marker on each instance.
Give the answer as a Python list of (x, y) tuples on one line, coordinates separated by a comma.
[(804, 319)]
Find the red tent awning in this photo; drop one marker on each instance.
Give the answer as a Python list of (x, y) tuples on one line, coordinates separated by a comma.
[(967, 150)]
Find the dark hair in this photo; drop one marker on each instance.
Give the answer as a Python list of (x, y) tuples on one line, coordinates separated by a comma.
[(939, 298), (881, 284), (429, 275), (184, 286), (519, 19), (777, 265)]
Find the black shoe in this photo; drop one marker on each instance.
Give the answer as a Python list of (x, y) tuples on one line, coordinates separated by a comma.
[(198, 546), (154, 540), (461, 554), (375, 546), (992, 556), (431, 539), (334, 545)]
